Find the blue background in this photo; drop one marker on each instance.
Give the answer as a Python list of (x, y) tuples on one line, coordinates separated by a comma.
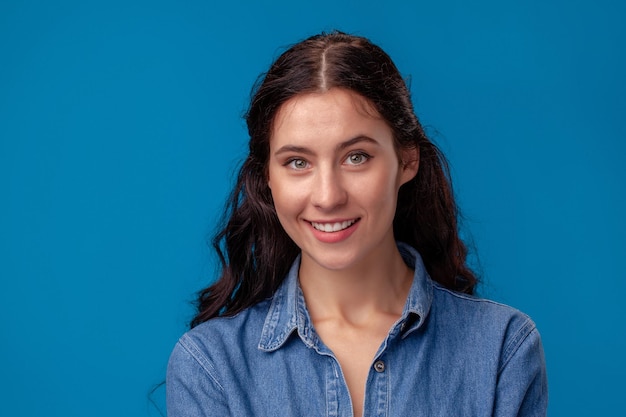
[(120, 129)]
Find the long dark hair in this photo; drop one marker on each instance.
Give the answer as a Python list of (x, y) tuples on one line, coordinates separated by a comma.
[(255, 252)]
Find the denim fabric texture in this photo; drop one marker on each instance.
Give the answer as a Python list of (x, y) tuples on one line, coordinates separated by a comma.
[(448, 355)]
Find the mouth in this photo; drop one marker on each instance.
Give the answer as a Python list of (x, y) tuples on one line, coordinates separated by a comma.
[(333, 227)]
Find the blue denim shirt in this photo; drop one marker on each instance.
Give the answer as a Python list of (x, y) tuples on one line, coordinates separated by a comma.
[(448, 355)]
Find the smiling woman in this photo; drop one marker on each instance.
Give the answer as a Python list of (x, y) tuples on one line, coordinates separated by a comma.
[(334, 175), (344, 287)]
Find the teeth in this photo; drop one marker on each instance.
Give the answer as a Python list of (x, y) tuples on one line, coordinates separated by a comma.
[(333, 227)]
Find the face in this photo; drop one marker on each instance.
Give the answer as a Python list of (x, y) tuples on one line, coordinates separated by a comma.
[(334, 175)]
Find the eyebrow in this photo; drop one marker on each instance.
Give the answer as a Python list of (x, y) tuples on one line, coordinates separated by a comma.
[(340, 147)]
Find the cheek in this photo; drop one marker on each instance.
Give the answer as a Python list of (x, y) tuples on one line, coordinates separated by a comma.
[(286, 196), (281, 208), (379, 186), (378, 195)]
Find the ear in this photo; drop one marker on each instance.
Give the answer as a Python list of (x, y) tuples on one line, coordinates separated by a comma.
[(409, 164)]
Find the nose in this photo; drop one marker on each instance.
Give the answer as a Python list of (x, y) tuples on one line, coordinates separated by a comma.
[(328, 191)]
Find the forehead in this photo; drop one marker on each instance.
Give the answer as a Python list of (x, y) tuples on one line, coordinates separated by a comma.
[(336, 113)]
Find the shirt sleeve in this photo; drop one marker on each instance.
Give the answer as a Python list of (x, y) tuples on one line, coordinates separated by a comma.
[(522, 388), (192, 390)]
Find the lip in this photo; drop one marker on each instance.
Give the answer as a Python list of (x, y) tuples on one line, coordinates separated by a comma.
[(334, 236)]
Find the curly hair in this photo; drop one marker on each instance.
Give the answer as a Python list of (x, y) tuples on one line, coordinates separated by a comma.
[(255, 252)]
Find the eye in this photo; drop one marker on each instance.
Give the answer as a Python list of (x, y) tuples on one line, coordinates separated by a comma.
[(357, 158), (297, 164)]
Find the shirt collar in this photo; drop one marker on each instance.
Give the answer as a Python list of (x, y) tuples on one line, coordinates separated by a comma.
[(288, 311)]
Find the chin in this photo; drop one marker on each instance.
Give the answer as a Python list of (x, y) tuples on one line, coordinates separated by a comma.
[(333, 262)]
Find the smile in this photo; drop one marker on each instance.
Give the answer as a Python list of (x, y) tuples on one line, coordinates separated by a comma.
[(333, 227)]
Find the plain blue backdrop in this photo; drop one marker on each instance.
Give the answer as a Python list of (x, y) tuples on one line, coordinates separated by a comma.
[(120, 130)]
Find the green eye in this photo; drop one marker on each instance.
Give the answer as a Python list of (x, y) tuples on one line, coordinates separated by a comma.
[(298, 164), (357, 158)]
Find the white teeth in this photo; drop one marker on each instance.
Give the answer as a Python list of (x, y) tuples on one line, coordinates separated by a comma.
[(333, 227)]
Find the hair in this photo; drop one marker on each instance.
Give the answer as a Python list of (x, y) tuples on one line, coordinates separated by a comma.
[(255, 252)]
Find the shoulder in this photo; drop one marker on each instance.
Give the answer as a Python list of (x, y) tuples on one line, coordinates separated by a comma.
[(472, 309), (221, 339), (483, 322), (208, 360), (497, 345)]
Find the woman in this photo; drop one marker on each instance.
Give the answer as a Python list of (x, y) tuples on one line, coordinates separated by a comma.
[(344, 287)]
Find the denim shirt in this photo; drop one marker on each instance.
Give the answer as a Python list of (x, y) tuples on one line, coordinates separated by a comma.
[(448, 355)]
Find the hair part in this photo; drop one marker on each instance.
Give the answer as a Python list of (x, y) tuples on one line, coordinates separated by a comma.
[(255, 253)]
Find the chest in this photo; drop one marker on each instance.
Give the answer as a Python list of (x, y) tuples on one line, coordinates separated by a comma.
[(355, 351), (412, 377)]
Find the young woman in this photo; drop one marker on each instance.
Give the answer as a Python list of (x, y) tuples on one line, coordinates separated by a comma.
[(344, 288)]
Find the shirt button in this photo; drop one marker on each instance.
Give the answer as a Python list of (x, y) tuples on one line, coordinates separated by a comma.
[(379, 366)]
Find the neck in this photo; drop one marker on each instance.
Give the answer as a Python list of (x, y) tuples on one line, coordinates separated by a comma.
[(378, 284)]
